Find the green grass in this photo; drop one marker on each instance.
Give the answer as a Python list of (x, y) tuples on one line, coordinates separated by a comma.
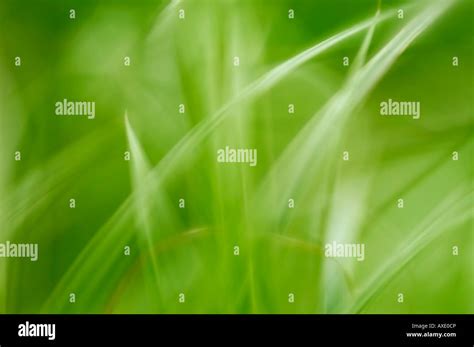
[(190, 250)]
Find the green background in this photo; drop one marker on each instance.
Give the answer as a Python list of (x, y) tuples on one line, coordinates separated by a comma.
[(191, 250)]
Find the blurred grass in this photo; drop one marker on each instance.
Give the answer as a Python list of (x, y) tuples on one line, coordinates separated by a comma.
[(190, 250)]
